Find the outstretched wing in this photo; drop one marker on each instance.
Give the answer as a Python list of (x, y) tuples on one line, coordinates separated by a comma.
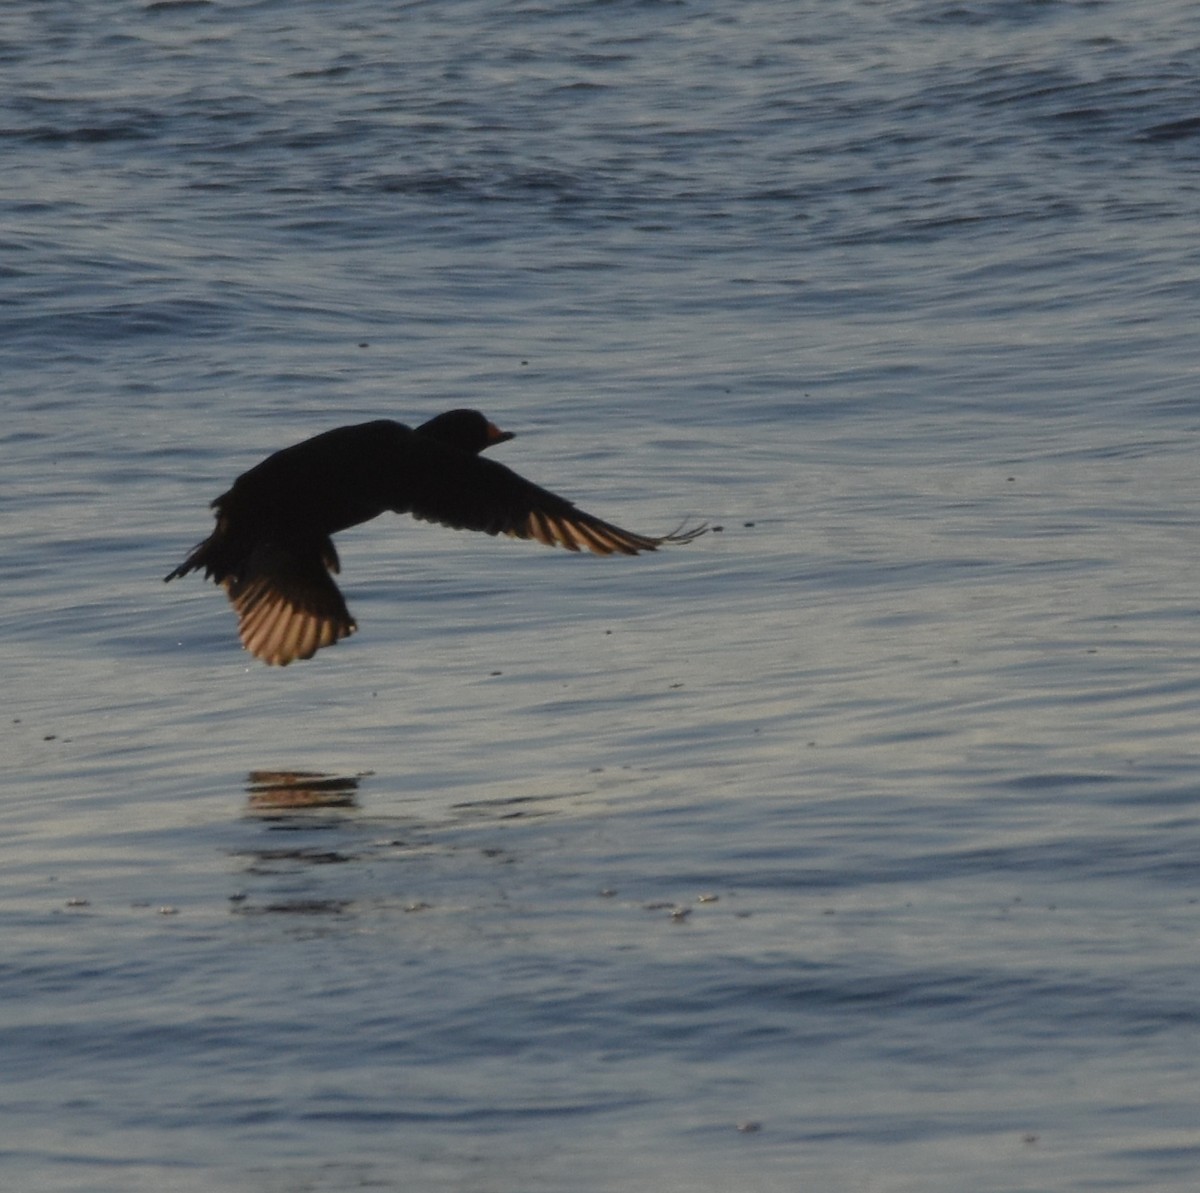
[(474, 493), (287, 604)]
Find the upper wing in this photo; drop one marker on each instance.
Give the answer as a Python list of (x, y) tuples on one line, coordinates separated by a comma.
[(474, 493)]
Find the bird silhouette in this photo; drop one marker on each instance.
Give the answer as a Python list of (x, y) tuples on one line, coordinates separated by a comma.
[(272, 548)]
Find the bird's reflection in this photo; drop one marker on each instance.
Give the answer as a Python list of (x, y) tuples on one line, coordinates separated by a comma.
[(290, 791), (296, 803)]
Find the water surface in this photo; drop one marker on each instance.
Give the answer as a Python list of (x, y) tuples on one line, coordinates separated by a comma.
[(850, 847)]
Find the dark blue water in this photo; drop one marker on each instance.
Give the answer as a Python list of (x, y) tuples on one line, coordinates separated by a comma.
[(851, 847)]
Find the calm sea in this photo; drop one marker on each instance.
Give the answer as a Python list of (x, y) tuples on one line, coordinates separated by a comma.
[(853, 847)]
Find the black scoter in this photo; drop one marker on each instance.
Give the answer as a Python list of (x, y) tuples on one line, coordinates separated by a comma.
[(272, 549)]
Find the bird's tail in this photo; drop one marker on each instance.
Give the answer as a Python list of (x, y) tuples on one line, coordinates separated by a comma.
[(199, 558), (217, 555)]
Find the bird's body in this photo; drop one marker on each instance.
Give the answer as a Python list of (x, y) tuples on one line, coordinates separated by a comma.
[(272, 548)]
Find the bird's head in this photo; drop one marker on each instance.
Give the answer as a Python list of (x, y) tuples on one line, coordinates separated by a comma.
[(467, 430)]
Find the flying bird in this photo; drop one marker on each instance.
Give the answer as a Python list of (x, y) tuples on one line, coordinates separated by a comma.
[(272, 549)]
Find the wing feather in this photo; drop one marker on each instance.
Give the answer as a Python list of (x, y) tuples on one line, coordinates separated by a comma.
[(287, 604), (475, 493)]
